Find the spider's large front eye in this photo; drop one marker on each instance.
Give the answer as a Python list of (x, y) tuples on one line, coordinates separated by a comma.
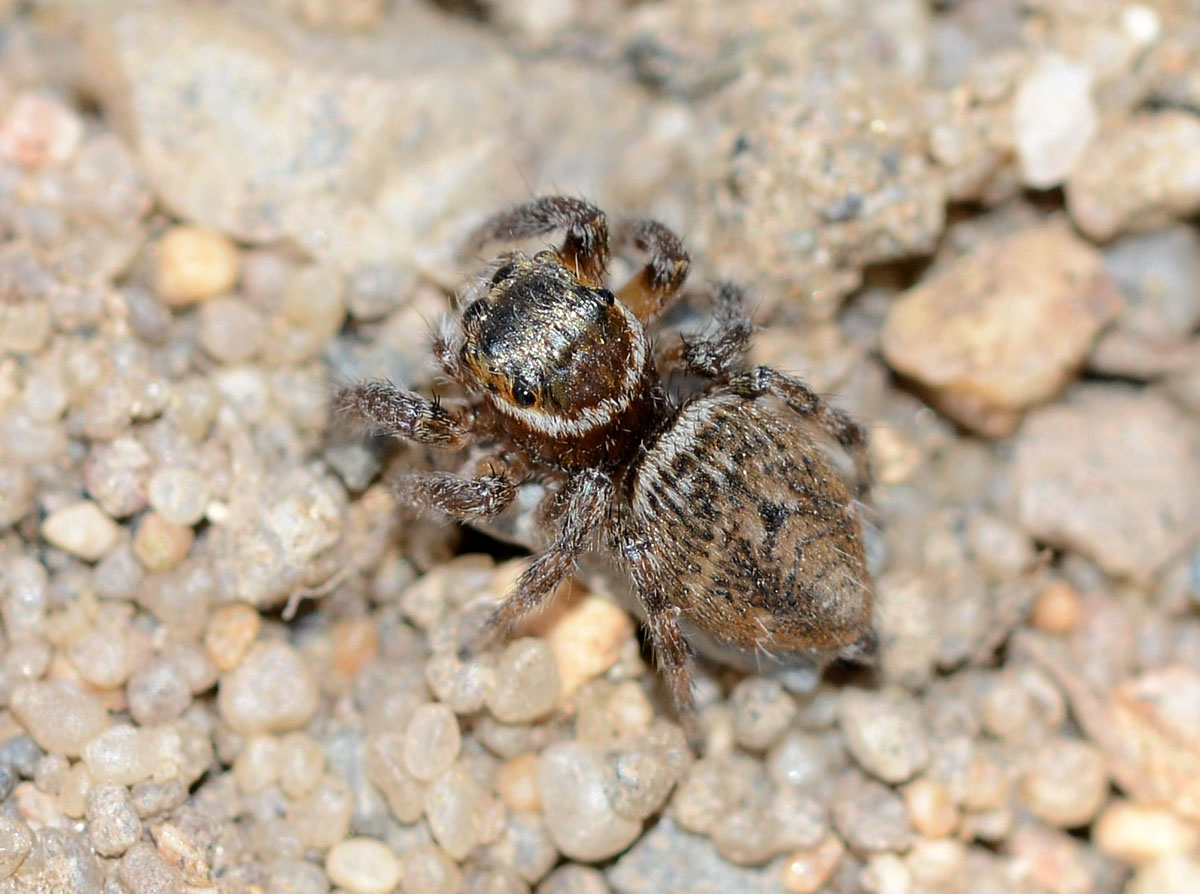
[(523, 395)]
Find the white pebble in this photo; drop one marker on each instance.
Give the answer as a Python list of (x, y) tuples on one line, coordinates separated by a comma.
[(59, 714), (1054, 119), (81, 529), (363, 866), (15, 843), (579, 817), (272, 690), (453, 804), (121, 754), (431, 741), (179, 494), (526, 682)]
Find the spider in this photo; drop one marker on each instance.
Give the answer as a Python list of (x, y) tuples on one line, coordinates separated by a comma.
[(723, 512)]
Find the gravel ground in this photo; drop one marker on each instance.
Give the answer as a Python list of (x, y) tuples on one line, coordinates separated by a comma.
[(228, 655)]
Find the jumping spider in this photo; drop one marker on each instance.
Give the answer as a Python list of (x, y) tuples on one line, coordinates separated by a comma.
[(720, 507)]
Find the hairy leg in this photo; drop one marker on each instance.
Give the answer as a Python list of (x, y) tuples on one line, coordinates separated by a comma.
[(385, 409), (670, 648), (657, 284), (585, 249), (486, 492), (585, 500), (801, 399), (720, 354)]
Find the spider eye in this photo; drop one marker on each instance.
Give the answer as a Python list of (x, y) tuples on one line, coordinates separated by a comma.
[(607, 297), (474, 309), (523, 395)]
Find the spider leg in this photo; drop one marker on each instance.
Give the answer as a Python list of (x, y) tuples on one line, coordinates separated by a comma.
[(585, 248), (653, 288), (801, 399), (385, 409), (720, 354), (585, 499), (670, 648), (488, 492)]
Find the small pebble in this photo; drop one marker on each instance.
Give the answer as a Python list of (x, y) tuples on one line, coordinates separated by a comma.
[(385, 768), (60, 715), (884, 733), (231, 631), (1137, 834), (806, 871), (113, 824), (427, 870), (15, 843), (257, 766), (122, 754), (143, 871), (1170, 875), (321, 818), (363, 866), (571, 878), (102, 657), (579, 817), (1057, 608), (116, 474), (158, 691), (72, 799), (454, 803), (463, 685), (159, 544), (516, 783), (431, 741), (640, 782), (1066, 783), (38, 131), (81, 529), (527, 682), (586, 640), (231, 330), (870, 816), (1054, 119), (272, 690), (931, 811), (194, 263), (315, 300), (178, 494), (301, 763), (762, 712)]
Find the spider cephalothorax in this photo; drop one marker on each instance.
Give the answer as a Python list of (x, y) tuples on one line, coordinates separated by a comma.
[(724, 514)]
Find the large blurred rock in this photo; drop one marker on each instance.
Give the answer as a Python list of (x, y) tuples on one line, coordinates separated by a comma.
[(1113, 474), (1005, 328)]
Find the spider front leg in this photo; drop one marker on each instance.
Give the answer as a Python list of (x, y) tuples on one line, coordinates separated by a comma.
[(385, 409), (719, 355), (801, 399), (653, 288), (488, 492), (585, 499), (585, 249)]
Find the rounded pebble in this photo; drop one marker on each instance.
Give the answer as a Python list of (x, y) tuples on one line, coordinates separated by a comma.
[(178, 494), (527, 682), (231, 631), (453, 804), (81, 529), (160, 544), (1067, 782), (1054, 118), (581, 821), (194, 263), (59, 714), (363, 866), (431, 741), (122, 754), (15, 843), (231, 330), (427, 870), (762, 712), (385, 768), (113, 825), (1058, 608), (806, 871), (301, 763), (143, 871), (884, 733), (158, 691), (1137, 834), (272, 690), (931, 810)]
